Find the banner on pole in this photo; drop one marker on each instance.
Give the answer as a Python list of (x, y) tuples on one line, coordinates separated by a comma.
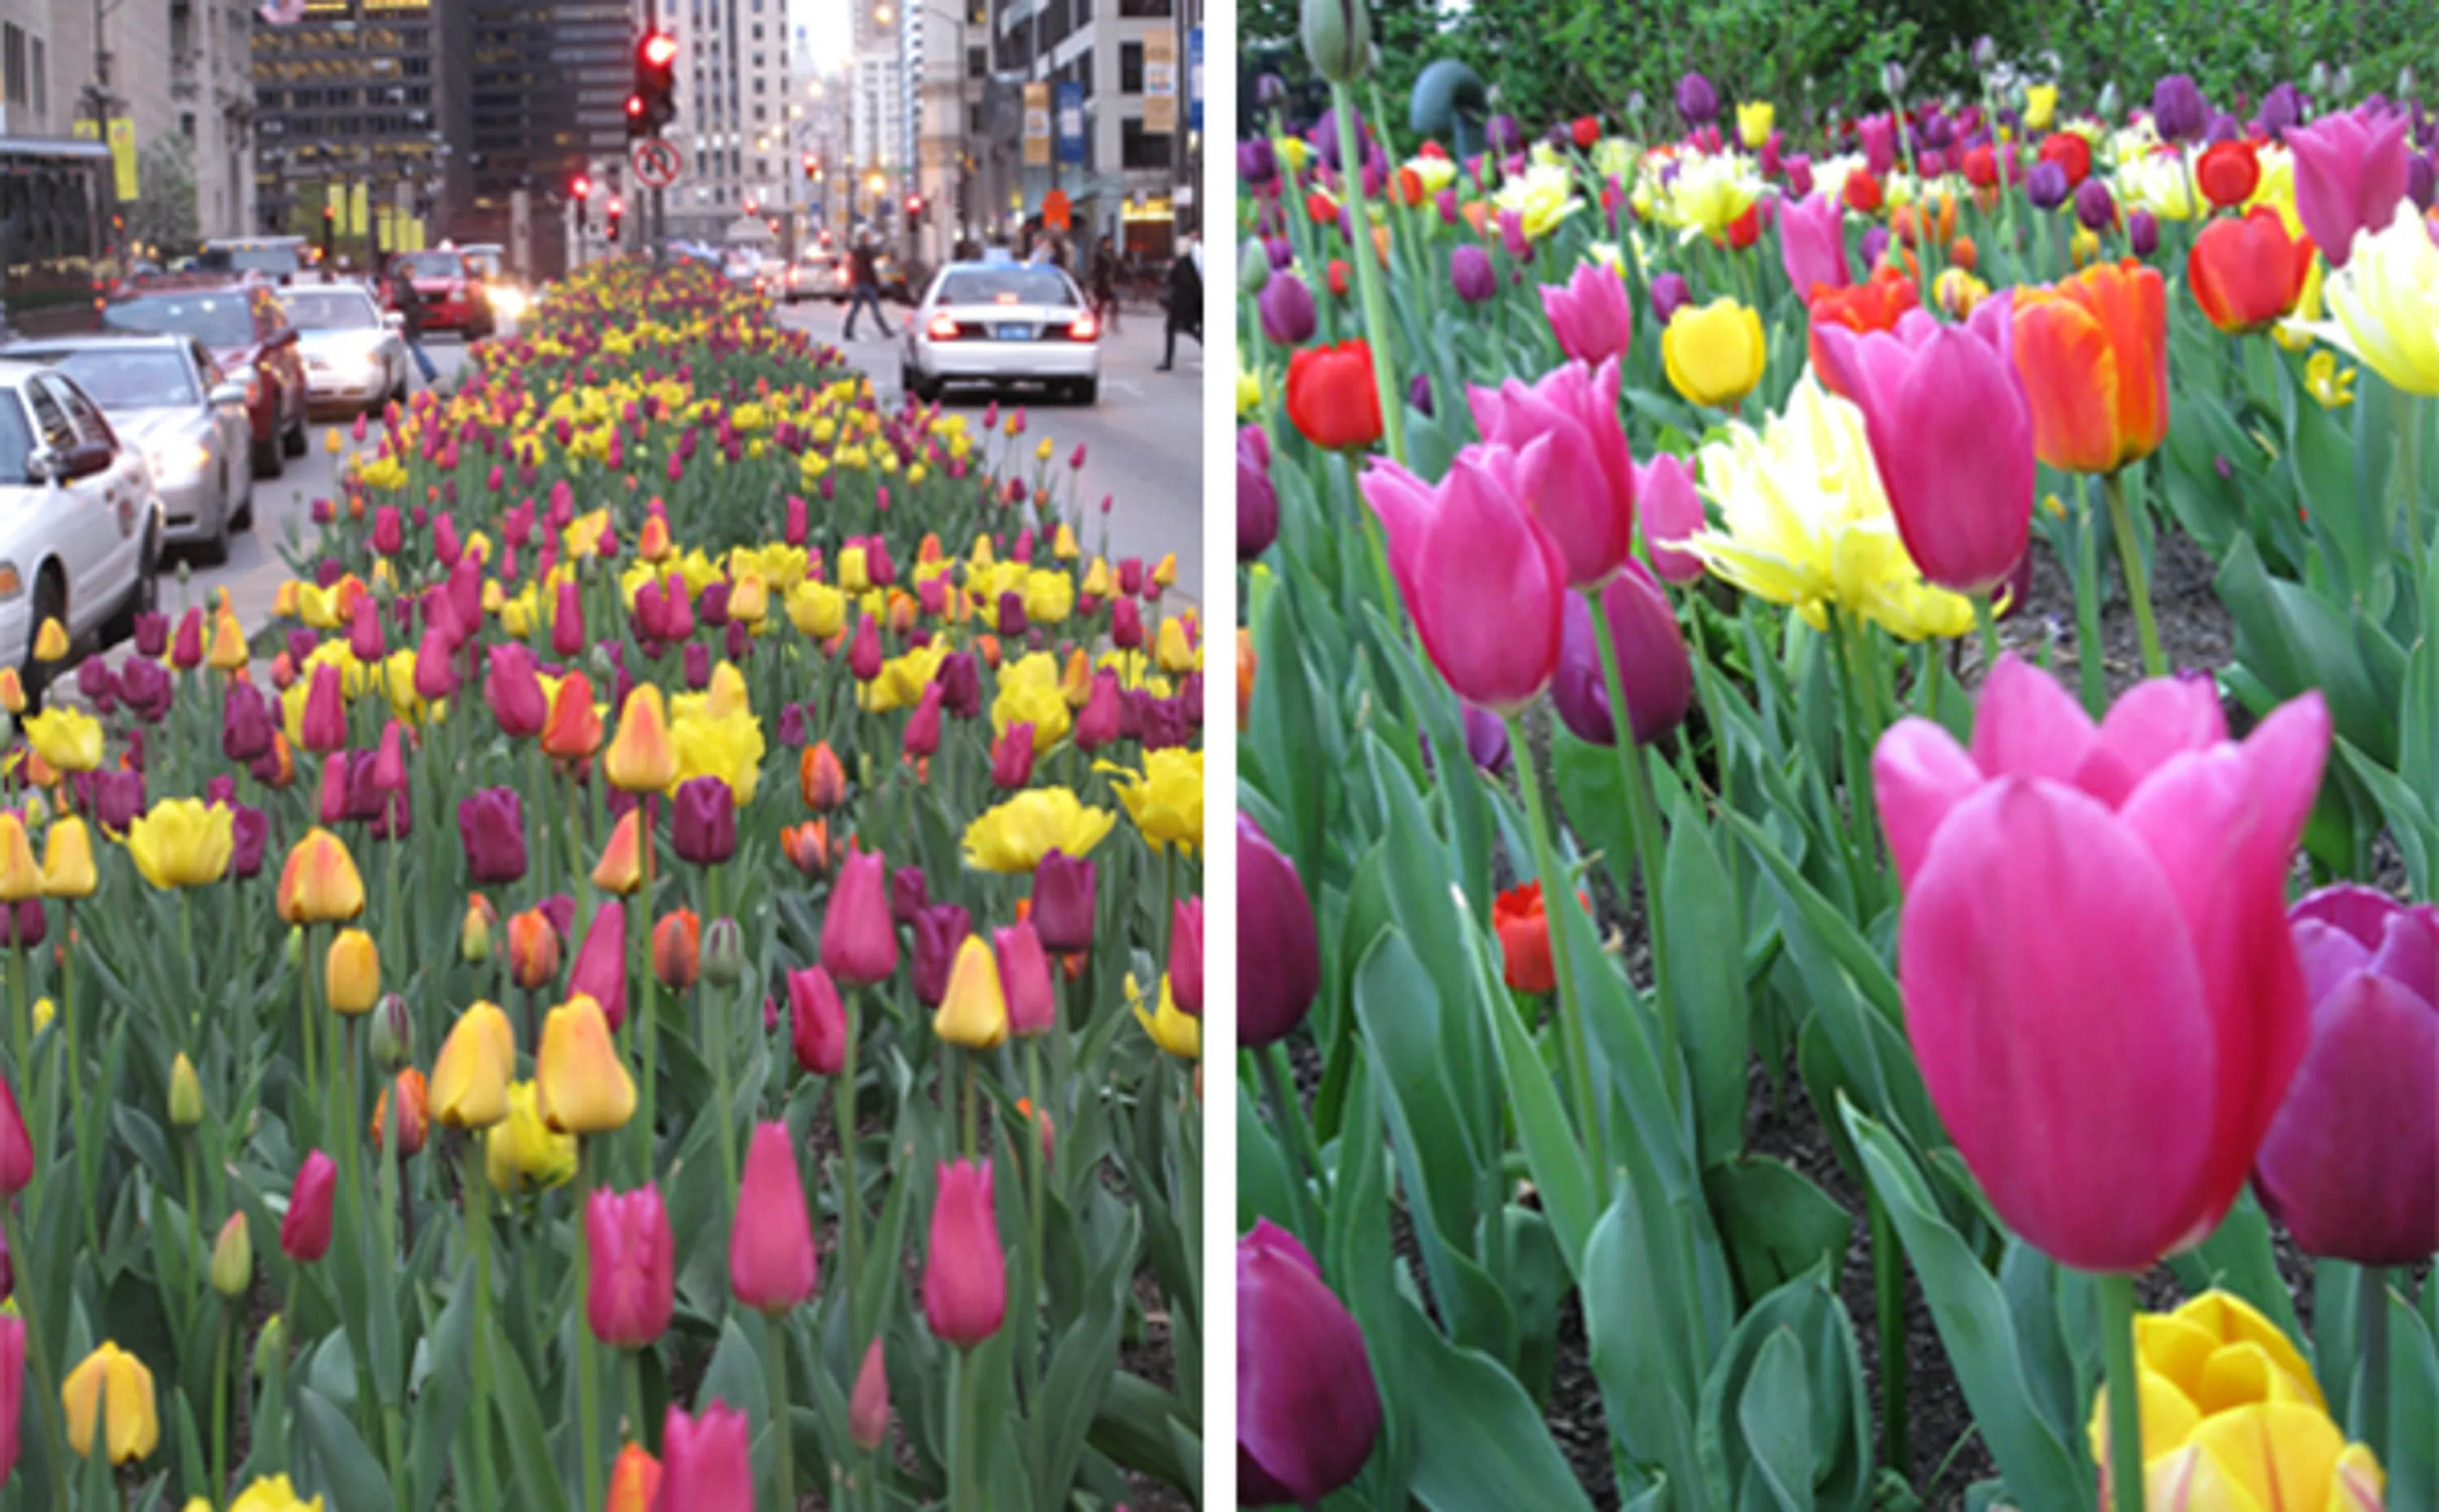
[(1160, 82), (1036, 125)]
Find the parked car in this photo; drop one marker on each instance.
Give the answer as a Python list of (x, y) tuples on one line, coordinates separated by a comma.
[(817, 275), (504, 295), (451, 296), (354, 354), (247, 330), (279, 258), (167, 399), (81, 526), (1002, 323), (891, 274)]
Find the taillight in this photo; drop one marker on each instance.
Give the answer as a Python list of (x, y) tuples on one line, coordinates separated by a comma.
[(941, 327), (1085, 328)]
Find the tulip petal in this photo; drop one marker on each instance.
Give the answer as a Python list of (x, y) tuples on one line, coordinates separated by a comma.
[(2027, 725), (1308, 1409), (1919, 773), (2155, 720), (2280, 1454), (1487, 592), (2048, 1065), (2364, 1086)]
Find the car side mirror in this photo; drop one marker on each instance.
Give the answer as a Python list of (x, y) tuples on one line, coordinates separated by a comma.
[(46, 465), (227, 393), (395, 320), (87, 459)]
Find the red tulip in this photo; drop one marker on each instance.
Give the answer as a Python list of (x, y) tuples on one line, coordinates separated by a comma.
[(2247, 271), (1331, 397), (816, 1022), (305, 1233), (2228, 172), (965, 1275), (771, 1262)]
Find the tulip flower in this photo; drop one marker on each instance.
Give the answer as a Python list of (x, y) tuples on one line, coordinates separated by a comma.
[(20, 876), (1025, 979), (521, 1152), (807, 846), (580, 1085), (1017, 834), (2349, 175), (2227, 173), (2351, 1164), (1714, 355), (69, 739), (16, 1144), (640, 757), (633, 1282), (1481, 577), (1332, 399), (867, 1406), (770, 1261), (2386, 301), (406, 1092), (1169, 1026), (325, 724), (1952, 437), (573, 732), (470, 1081), (180, 843), (67, 860), (1875, 304), (599, 971), (816, 1022), (1308, 1409), (634, 1480), (320, 884), (1279, 947), (245, 723), (186, 1094), (1812, 243), (1589, 314), (492, 827), (820, 778), (1523, 925), (351, 973), (859, 943), (1063, 902), (273, 1493), (2233, 1419), (710, 1455), (2082, 896), (1285, 308), (533, 950), (703, 822), (620, 870), (677, 949), (1587, 504), (965, 1275), (110, 1391), (1652, 664), (973, 1005), (2248, 272), (2093, 350), (305, 1231), (1670, 511)]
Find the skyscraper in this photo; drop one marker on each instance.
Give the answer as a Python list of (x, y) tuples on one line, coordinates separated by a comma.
[(366, 97), (549, 81)]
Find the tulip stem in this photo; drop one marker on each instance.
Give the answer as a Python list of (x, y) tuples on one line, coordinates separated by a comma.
[(2090, 681), (588, 1382), (2138, 583), (632, 1367), (2125, 1470), (777, 1323), (305, 1014), (1643, 818), (1848, 656), (973, 1118), (478, 1240), (1554, 886), (1035, 1159), (721, 1032), (47, 1385), (1888, 1298), (220, 1400), (2371, 1413), (1367, 281), (647, 1023), (1983, 616), (851, 1192), (1273, 1061), (962, 1492)]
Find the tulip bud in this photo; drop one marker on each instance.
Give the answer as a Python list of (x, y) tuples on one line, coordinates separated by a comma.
[(634, 1267), (232, 1271), (1337, 39), (1252, 265), (710, 1454), (1024, 977), (186, 1094), (533, 951), (772, 1266), (352, 974), (470, 1079), (677, 949), (1185, 954), (1063, 902), (867, 1408), (973, 1006), (965, 1274), (580, 1085), (305, 1232), (402, 1103), (1307, 1366), (393, 1034), (1279, 947), (816, 1022), (703, 821), (859, 942), (723, 953), (270, 1344)]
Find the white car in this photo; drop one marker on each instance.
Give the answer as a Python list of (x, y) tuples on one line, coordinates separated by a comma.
[(354, 354), (169, 401), (1001, 323), (817, 275), (81, 526)]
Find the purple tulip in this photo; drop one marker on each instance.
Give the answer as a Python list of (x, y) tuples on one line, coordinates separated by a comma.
[(492, 827), (1289, 318), (2350, 172), (939, 929), (2178, 109), (1308, 1409), (1670, 292), (1470, 271), (2143, 233), (1278, 949), (909, 895), (1485, 740), (1879, 135), (1651, 662), (24, 923), (1257, 164), (1258, 501), (250, 836), (702, 821), (2093, 208), (147, 689), (2045, 186), (1699, 103), (1063, 902), (1812, 245)]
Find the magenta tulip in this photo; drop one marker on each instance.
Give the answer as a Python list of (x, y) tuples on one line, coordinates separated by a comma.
[(771, 1262), (965, 1274), (1589, 313), (859, 942), (305, 1232), (1587, 500), (2098, 979), (1651, 663), (706, 1461), (1812, 243), (2350, 172), (600, 968), (1025, 980), (435, 674), (1063, 902), (702, 821), (12, 1392), (1671, 510), (1185, 954), (816, 1022), (634, 1260), (16, 1144), (326, 710), (1308, 1409), (867, 1407), (2351, 1165), (514, 693), (1279, 947), (492, 827), (1952, 435), (1481, 578)]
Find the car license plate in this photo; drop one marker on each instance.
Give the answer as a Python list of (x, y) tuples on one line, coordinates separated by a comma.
[(1016, 333)]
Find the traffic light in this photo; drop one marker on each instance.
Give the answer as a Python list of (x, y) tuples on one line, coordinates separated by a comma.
[(914, 210), (813, 166), (330, 230), (580, 191), (653, 104), (609, 222)]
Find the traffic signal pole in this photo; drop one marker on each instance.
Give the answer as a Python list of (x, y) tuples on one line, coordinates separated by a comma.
[(656, 226)]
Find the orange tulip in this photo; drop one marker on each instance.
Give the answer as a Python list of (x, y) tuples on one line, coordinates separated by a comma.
[(642, 757), (533, 950), (319, 884), (2093, 350), (677, 949), (634, 1480), (409, 1090), (1873, 305), (821, 778), (1247, 663), (807, 846), (574, 731), (2247, 272), (621, 868)]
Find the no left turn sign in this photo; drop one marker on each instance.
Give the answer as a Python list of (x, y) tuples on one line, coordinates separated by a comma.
[(656, 162)]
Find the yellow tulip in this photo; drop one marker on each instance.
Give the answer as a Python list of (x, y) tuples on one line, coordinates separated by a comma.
[(2233, 1420), (1165, 799), (1170, 648), (275, 1494), (44, 1010), (1754, 121), (2040, 106), (1715, 353), (470, 1079), (640, 757), (351, 975), (521, 1152), (20, 879), (2386, 301), (1012, 838), (1171, 1028), (1097, 579), (2333, 389), (12, 690), (621, 869), (111, 1390), (974, 1010), (580, 1084), (1029, 694), (67, 860), (726, 746), (69, 739), (750, 600), (227, 652), (1049, 596), (51, 641), (1062, 544), (320, 884), (183, 842), (854, 572)]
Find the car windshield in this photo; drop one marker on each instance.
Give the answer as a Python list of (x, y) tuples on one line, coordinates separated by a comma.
[(330, 310), (216, 320), (1002, 286), (278, 258), (128, 379), (486, 264), (16, 441), (431, 265)]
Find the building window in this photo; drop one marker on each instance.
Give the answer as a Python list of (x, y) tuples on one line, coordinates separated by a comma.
[(1143, 8), (12, 65), (42, 72), (1130, 68), (977, 61), (1084, 73), (1138, 148), (757, 36)]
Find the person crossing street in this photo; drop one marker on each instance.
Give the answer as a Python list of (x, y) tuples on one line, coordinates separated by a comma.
[(864, 269)]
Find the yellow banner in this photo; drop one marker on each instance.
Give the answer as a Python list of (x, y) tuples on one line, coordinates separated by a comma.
[(358, 211), (414, 234), (83, 131), (122, 157), (1160, 81), (1037, 124)]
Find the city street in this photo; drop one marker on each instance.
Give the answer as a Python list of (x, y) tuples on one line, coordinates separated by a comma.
[(1142, 442)]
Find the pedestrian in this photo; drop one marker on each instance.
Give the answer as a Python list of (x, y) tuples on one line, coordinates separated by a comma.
[(1105, 286), (1182, 297), (409, 305), (865, 272)]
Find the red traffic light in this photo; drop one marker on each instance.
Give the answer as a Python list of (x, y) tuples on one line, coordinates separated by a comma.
[(581, 187), (618, 207), (660, 49), (635, 107)]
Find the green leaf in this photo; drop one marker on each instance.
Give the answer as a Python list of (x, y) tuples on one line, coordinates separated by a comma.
[(2293, 640), (1775, 1414), (1706, 980), (1483, 1446), (1776, 1224), (1640, 1353), (349, 1470), (521, 1424), (2237, 1257)]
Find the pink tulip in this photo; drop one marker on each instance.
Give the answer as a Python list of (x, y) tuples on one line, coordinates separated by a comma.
[(567, 622), (1671, 511), (305, 1232), (1589, 313), (771, 1262), (867, 1408), (365, 640), (16, 1146), (633, 1281), (1483, 580), (600, 968), (2098, 979), (965, 1275), (514, 692), (1812, 243), (1651, 663), (435, 675), (1587, 504), (12, 1392), (1024, 977), (816, 1022), (859, 940), (1951, 434), (706, 1461), (2350, 171), (1308, 1409), (326, 710)]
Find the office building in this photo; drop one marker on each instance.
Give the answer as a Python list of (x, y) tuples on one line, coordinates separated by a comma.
[(548, 86)]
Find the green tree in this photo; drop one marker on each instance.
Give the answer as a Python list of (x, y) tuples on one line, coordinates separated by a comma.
[(163, 217)]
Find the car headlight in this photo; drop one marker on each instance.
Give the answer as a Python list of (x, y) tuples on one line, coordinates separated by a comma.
[(509, 302), (178, 462), (11, 582)]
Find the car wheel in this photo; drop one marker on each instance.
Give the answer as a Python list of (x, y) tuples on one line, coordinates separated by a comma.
[(1086, 391), (242, 517), (212, 550), (50, 602), (145, 596)]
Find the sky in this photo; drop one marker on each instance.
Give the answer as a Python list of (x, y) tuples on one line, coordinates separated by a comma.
[(832, 31)]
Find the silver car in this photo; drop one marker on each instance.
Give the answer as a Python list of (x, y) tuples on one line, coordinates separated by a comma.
[(1002, 323), (81, 526), (169, 402), (355, 356)]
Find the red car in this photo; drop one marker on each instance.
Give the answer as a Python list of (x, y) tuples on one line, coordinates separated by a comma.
[(451, 292), (249, 334)]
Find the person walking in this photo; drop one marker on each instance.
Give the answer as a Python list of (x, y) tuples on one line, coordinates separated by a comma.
[(865, 270), (1183, 297), (409, 305), (1105, 286)]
